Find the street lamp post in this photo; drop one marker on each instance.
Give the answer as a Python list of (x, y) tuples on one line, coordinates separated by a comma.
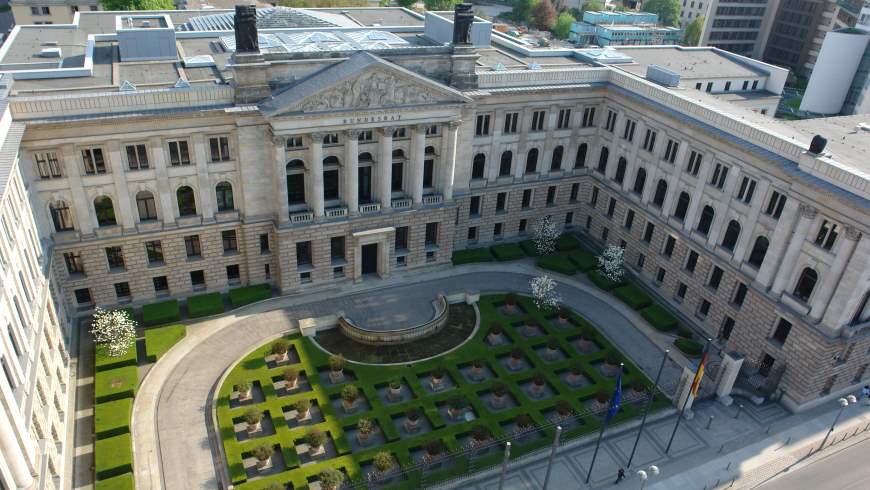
[(645, 474), (843, 402)]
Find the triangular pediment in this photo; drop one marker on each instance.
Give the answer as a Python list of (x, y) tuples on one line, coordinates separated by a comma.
[(362, 82)]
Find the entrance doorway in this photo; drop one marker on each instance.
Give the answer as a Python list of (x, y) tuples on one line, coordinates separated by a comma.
[(370, 258)]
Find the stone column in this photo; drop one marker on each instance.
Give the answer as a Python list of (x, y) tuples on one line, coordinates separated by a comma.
[(315, 174), (385, 167), (418, 149), (15, 457), (164, 193), (777, 247), (85, 218), (351, 171), (448, 162), (122, 192), (731, 363), (832, 278), (206, 202), (796, 241), (282, 208), (848, 296)]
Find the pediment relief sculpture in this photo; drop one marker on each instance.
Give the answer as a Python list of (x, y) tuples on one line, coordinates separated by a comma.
[(368, 91)]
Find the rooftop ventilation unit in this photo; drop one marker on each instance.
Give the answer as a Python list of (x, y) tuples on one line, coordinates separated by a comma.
[(49, 43), (662, 76), (146, 37), (200, 61), (51, 53)]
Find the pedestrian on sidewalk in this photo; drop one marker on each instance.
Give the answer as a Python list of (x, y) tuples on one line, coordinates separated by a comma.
[(620, 475), (865, 394)]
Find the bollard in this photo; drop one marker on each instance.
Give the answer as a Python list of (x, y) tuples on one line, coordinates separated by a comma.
[(768, 430), (788, 441), (739, 409), (507, 457), (728, 467), (709, 422), (721, 448)]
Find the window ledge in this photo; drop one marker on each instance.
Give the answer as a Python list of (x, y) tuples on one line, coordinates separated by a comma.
[(194, 258), (117, 270), (157, 263), (230, 253), (338, 261), (302, 268)]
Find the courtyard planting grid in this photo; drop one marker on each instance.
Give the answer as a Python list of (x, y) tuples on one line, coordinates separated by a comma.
[(462, 452)]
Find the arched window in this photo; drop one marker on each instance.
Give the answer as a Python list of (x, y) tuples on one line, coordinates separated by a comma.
[(186, 201), (295, 182), (532, 161), (105, 211), (805, 285), (504, 168), (620, 170), (759, 250), (478, 166), (331, 160), (732, 233), (397, 154), (224, 193), (682, 206), (661, 192), (556, 162), (640, 181), (364, 157), (580, 159), (430, 150), (602, 160), (706, 220), (146, 206), (60, 216)]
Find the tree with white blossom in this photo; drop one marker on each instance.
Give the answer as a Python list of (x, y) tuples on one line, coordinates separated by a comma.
[(115, 329), (546, 235), (611, 261), (544, 293)]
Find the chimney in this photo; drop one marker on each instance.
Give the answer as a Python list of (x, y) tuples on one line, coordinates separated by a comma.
[(817, 146), (250, 69), (246, 29), (462, 19)]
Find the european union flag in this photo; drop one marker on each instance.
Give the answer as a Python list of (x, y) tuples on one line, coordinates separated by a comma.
[(616, 400)]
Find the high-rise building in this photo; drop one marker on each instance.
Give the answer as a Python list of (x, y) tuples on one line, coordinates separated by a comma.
[(738, 26)]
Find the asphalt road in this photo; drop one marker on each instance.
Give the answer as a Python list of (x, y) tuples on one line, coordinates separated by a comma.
[(844, 470)]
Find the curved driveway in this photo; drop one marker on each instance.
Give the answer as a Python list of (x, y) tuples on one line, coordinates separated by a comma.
[(172, 413)]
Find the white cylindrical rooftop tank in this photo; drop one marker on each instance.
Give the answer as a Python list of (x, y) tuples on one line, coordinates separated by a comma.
[(834, 70)]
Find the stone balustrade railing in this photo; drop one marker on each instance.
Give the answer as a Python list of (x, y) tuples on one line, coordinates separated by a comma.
[(401, 336)]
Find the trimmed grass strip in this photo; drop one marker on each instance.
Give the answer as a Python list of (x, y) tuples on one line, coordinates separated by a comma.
[(159, 340), (115, 384), (103, 361), (113, 456), (250, 294), (557, 263), (162, 312), (471, 255), (120, 482), (585, 261), (112, 418)]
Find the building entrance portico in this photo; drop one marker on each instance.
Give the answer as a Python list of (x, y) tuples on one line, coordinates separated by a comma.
[(371, 252)]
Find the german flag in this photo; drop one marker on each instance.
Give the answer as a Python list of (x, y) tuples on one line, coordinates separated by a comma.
[(696, 383)]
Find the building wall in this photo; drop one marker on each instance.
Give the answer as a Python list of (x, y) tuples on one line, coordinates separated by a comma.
[(740, 27), (26, 12)]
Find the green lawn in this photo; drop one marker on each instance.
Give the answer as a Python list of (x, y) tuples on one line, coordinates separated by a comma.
[(585, 261), (112, 418), (205, 305), (471, 255), (115, 384), (557, 263), (633, 296), (162, 312), (250, 294), (120, 482), (159, 340), (253, 369), (113, 456), (659, 318), (507, 251), (103, 361)]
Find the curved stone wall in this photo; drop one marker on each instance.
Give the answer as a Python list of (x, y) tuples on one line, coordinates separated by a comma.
[(402, 336)]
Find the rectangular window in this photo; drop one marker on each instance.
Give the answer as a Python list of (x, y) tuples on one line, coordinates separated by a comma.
[(233, 274), (474, 207), (366, 135), (179, 154), (670, 243), (551, 195), (267, 271), (641, 261), (703, 308), (649, 140), (497, 230), (593, 201), (629, 219), (400, 132), (330, 184), (83, 296), (564, 120), (727, 86), (228, 237), (569, 219), (575, 190), (305, 277), (500, 200), (472, 233), (431, 234), (588, 117), (538, 120), (827, 235), (510, 122), (648, 232), (611, 207), (775, 205), (783, 328), (401, 238), (698, 86), (93, 160), (605, 233), (694, 165), (161, 285), (47, 165), (337, 248), (628, 132), (219, 147), (670, 155), (137, 157), (709, 86), (115, 257), (154, 252), (330, 139), (745, 84), (482, 128), (660, 275), (74, 264), (691, 261), (681, 291), (739, 295), (197, 279), (296, 142), (523, 225), (432, 130), (192, 246), (720, 173), (122, 290), (527, 199), (589, 222), (754, 84), (715, 278), (610, 124), (396, 177), (264, 242), (747, 190), (303, 253)]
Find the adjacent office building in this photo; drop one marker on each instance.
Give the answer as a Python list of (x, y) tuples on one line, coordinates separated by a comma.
[(623, 29)]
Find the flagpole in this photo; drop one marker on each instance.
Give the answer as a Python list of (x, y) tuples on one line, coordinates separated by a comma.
[(688, 397), (649, 401), (603, 426)]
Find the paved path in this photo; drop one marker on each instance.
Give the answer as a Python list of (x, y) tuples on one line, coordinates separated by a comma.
[(845, 469), (172, 411)]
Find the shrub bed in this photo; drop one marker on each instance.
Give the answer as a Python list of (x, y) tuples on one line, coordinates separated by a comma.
[(113, 456), (557, 263), (471, 255), (159, 340), (684, 332), (633, 296), (115, 384), (567, 242), (688, 347), (120, 482), (103, 361), (507, 251), (584, 260), (250, 294), (162, 312), (603, 282), (659, 318), (205, 305), (112, 418), (529, 248)]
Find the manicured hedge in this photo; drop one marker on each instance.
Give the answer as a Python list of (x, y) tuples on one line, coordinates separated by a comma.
[(584, 260), (567, 242), (250, 294), (507, 251), (115, 384), (557, 263), (633, 296), (689, 347), (112, 418), (603, 282), (529, 248), (162, 312), (684, 332), (113, 456), (159, 340), (103, 361), (205, 305), (120, 482), (471, 255), (659, 318)]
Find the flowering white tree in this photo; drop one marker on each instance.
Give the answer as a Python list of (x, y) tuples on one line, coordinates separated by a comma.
[(115, 329), (546, 235), (544, 293), (610, 262)]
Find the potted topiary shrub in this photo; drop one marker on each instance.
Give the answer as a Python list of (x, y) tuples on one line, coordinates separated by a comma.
[(412, 420), (364, 428), (383, 462), (303, 409), (330, 479), (253, 417), (244, 388), (499, 390), (510, 302), (638, 386), (395, 390), (457, 406), (531, 328), (494, 337), (349, 397), (524, 422), (516, 361), (479, 435), (433, 449), (563, 409), (552, 352), (575, 374), (263, 453), (585, 342), (563, 315), (336, 368), (315, 438), (477, 370), (538, 384), (602, 396), (611, 364), (291, 378), (280, 348)]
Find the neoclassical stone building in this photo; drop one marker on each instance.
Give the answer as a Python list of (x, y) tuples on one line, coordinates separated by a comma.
[(168, 154)]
